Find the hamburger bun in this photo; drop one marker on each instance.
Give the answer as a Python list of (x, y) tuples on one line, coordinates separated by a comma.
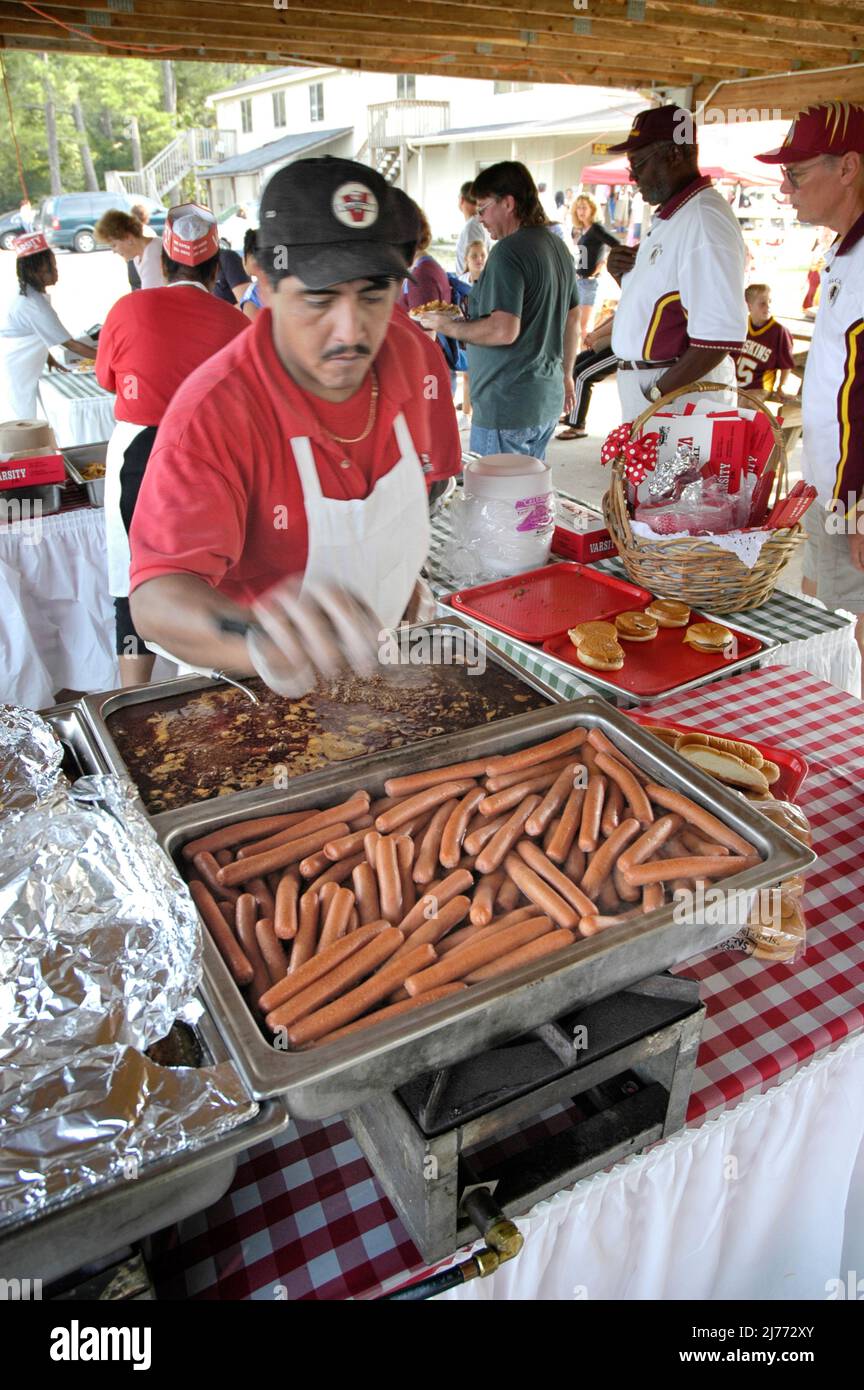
[(600, 653), (708, 637), (577, 634), (636, 627), (669, 612)]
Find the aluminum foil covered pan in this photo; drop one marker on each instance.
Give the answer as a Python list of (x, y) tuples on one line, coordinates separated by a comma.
[(30, 759)]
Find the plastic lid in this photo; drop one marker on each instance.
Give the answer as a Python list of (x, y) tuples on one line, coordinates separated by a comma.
[(506, 465)]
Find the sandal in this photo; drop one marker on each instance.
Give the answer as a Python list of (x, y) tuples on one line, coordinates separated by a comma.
[(572, 433)]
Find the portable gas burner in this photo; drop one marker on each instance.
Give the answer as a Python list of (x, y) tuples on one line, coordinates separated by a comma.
[(525, 1119)]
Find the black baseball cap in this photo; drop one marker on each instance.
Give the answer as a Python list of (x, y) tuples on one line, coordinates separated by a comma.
[(336, 221)]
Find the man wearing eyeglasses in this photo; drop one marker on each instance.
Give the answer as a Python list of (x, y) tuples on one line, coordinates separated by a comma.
[(682, 290), (822, 161)]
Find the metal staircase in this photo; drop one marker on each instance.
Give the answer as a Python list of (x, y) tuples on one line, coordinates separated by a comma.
[(188, 153)]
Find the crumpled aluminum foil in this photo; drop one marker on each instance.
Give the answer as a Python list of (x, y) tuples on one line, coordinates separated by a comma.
[(100, 950), (666, 473), (30, 760)]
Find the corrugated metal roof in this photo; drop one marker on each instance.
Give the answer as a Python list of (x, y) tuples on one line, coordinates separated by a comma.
[(289, 145)]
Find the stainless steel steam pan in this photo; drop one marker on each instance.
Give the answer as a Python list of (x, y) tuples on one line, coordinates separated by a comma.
[(341, 1075)]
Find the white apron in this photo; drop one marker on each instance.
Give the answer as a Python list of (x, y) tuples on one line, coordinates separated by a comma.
[(115, 532), (375, 546)]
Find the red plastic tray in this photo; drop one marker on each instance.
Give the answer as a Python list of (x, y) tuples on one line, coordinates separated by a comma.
[(663, 664), (536, 606), (793, 768)]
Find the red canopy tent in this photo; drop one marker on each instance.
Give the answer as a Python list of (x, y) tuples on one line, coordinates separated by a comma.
[(725, 153), (737, 171)]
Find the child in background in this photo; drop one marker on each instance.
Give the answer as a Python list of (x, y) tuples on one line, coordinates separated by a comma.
[(765, 360), (476, 255)]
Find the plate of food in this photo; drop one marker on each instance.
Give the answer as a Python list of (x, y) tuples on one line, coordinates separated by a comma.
[(759, 770), (436, 306)]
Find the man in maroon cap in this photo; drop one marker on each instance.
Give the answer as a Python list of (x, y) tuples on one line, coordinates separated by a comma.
[(682, 290), (150, 343), (822, 160)]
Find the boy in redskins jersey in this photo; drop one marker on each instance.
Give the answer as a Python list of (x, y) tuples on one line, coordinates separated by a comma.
[(765, 360)]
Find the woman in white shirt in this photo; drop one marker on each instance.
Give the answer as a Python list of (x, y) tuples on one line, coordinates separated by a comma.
[(29, 327), (128, 238)]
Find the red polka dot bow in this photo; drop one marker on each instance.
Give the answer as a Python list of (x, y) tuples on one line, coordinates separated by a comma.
[(640, 455)]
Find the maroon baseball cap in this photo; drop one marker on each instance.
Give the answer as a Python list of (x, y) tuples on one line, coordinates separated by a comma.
[(833, 127), (658, 123)]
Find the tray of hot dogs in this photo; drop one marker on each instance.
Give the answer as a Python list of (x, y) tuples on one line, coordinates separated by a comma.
[(403, 914)]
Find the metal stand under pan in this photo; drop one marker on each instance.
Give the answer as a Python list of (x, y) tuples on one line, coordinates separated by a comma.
[(533, 1116)]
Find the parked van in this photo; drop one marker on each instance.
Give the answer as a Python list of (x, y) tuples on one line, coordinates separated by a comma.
[(68, 219)]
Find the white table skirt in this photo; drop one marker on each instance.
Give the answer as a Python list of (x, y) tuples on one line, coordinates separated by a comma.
[(78, 419), (56, 615), (766, 1202)]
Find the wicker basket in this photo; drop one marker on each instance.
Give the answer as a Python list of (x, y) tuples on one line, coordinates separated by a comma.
[(691, 568)]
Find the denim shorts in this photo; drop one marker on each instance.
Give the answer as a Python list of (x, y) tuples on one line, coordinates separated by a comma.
[(586, 290), (532, 441)]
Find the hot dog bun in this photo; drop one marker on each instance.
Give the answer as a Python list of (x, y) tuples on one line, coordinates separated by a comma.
[(727, 745), (725, 766)]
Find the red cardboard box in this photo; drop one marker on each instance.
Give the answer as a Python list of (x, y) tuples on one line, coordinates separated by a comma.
[(34, 470), (578, 537)]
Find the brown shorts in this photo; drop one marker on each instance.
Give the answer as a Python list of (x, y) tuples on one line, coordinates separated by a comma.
[(828, 564)]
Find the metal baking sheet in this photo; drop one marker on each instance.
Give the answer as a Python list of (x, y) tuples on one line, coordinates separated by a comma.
[(98, 709), (50, 1246), (79, 455), (323, 1080)]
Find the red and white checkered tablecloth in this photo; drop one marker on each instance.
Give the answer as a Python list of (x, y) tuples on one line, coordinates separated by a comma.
[(305, 1218)]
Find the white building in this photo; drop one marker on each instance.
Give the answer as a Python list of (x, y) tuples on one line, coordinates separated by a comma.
[(426, 133)]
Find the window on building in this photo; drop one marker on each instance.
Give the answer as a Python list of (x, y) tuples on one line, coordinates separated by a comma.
[(246, 115), (406, 86), (501, 87), (279, 108), (316, 101)]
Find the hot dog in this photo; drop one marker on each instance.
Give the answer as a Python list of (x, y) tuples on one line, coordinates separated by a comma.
[(606, 856), (228, 912), (612, 810), (716, 866), (540, 893), (505, 801), (325, 898), (696, 816), (458, 938), (285, 915), (392, 1011), (540, 753), (551, 831), (561, 842), (697, 845), (508, 897), (592, 810), (357, 1001), (578, 898), (552, 802), (307, 931), (337, 981), (223, 857), (242, 832), (455, 827), (347, 844), (476, 839), (405, 856), (338, 872), (483, 904), (589, 926), (338, 916), (435, 927), (420, 781), (226, 942), (314, 864), (365, 883), (574, 864), (608, 900), (648, 843), (434, 899), (493, 855), (426, 857), (319, 965), (509, 779), (291, 853), (272, 950), (626, 892), (423, 801), (653, 897), (533, 950), (263, 896), (247, 913), (349, 811), (633, 791), (389, 882), (208, 871), (601, 744), (457, 964)]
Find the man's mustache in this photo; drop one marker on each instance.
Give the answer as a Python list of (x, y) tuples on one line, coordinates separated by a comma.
[(360, 350)]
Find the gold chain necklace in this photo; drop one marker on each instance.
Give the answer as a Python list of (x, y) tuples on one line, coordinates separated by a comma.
[(373, 411)]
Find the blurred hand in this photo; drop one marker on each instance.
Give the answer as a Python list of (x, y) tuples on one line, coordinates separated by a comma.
[(569, 394), (621, 259), (311, 636), (856, 543)]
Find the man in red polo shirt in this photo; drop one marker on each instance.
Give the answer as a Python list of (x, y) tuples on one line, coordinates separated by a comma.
[(149, 344), (286, 488)]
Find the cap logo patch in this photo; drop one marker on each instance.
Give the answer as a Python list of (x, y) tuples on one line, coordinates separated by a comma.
[(355, 205)]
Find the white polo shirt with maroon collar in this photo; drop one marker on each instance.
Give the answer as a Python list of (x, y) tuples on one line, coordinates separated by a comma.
[(686, 288), (833, 394)]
